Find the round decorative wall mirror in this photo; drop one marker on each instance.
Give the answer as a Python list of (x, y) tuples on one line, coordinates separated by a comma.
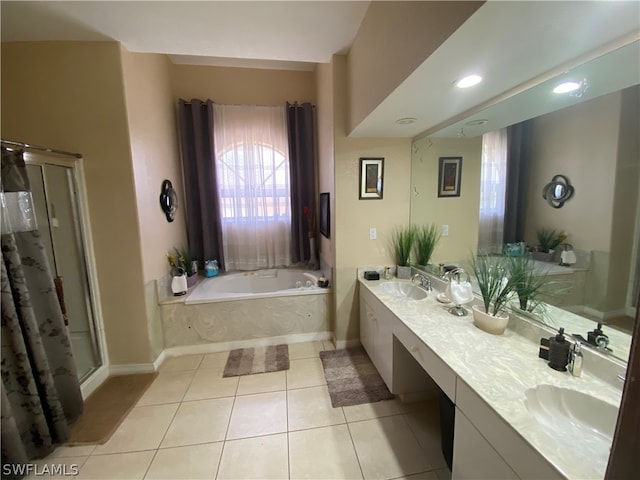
[(557, 191), (168, 200)]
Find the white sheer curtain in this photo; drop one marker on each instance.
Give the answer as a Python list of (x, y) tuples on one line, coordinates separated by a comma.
[(493, 183), (252, 163)]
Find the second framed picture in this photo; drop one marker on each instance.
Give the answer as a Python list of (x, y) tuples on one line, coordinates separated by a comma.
[(449, 176), (371, 178)]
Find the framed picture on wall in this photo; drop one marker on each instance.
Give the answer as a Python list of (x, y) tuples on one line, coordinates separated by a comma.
[(371, 178), (449, 176), (325, 220)]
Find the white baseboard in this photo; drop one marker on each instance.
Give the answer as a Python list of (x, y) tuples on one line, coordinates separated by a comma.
[(130, 368), (340, 344), (227, 346)]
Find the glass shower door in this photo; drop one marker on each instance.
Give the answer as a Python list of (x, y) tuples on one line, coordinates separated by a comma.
[(55, 199)]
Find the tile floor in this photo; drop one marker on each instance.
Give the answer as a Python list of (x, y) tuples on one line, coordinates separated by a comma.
[(194, 424)]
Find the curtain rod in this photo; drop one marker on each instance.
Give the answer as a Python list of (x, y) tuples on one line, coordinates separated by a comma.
[(43, 149), (244, 105)]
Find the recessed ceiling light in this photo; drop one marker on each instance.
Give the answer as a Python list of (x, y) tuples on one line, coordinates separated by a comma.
[(468, 81), (476, 123), (567, 87), (406, 121)]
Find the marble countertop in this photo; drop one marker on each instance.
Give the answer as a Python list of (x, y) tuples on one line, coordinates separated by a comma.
[(500, 369)]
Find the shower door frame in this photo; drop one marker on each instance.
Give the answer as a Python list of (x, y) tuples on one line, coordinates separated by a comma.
[(85, 243)]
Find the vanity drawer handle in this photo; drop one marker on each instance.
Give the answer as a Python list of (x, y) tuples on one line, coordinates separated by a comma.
[(371, 316), (414, 349)]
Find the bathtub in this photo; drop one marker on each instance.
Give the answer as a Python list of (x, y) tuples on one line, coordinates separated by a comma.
[(239, 308), (258, 284)]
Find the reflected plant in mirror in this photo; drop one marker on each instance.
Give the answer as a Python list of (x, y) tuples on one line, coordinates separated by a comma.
[(427, 238), (532, 285)]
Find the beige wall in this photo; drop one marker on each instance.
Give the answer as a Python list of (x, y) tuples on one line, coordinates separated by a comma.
[(243, 86), (580, 142), (324, 110), (151, 113), (393, 40), (460, 213), (70, 96), (153, 134), (354, 217)]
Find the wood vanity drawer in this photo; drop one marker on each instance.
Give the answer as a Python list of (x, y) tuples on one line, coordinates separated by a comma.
[(429, 361)]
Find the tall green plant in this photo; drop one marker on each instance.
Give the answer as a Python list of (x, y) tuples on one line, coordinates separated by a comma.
[(532, 282), (427, 237), (402, 240), (495, 283)]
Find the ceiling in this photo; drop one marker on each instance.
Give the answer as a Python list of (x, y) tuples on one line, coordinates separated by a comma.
[(513, 45)]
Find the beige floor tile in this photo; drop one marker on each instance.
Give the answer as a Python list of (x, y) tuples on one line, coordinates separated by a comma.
[(298, 351), (55, 468), (215, 361), (191, 462), (323, 453), (260, 414), (368, 411), (201, 421), (425, 425), (180, 364), (311, 408), (168, 387), (72, 451), (255, 458), (143, 429), (121, 466), (421, 476), (262, 383), (443, 474), (387, 448), (307, 372), (207, 384)]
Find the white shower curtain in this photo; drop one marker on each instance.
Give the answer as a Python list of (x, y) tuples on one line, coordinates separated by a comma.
[(493, 183), (252, 163)]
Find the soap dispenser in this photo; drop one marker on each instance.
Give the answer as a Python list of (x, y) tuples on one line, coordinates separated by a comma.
[(559, 352), (576, 359)]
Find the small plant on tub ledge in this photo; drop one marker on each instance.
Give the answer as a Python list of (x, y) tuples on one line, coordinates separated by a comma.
[(497, 287), (181, 260), (548, 240)]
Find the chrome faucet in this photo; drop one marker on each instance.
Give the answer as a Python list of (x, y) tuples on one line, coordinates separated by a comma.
[(424, 282)]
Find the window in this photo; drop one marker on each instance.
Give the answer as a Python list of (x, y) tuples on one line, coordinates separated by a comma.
[(252, 166), (493, 184)]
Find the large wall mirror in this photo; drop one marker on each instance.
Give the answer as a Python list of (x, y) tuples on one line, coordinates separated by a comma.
[(592, 139)]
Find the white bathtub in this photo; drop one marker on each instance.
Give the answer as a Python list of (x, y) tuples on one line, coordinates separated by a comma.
[(252, 306), (258, 284)]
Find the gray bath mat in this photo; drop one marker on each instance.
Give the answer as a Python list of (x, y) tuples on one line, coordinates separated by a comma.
[(352, 378), (247, 361)]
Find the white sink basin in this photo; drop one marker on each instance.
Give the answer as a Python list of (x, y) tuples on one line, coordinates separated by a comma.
[(402, 290), (563, 409)]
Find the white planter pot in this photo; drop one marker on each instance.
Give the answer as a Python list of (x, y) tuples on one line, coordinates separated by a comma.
[(403, 272), (495, 325)]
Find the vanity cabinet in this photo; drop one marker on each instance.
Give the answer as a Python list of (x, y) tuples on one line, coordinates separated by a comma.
[(376, 334), (473, 456)]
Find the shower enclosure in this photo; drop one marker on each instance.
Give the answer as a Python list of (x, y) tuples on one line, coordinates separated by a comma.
[(57, 205)]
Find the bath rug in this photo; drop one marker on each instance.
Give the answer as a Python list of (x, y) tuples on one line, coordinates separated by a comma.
[(352, 378), (247, 361), (107, 406)]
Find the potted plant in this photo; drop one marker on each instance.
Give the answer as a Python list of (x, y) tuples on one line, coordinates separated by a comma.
[(182, 260), (427, 237), (531, 282), (496, 289), (402, 240), (548, 240)]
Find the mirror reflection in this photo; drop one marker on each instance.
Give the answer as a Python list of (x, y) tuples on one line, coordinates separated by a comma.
[(593, 143)]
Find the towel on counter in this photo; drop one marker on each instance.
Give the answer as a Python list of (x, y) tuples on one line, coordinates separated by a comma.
[(460, 292)]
